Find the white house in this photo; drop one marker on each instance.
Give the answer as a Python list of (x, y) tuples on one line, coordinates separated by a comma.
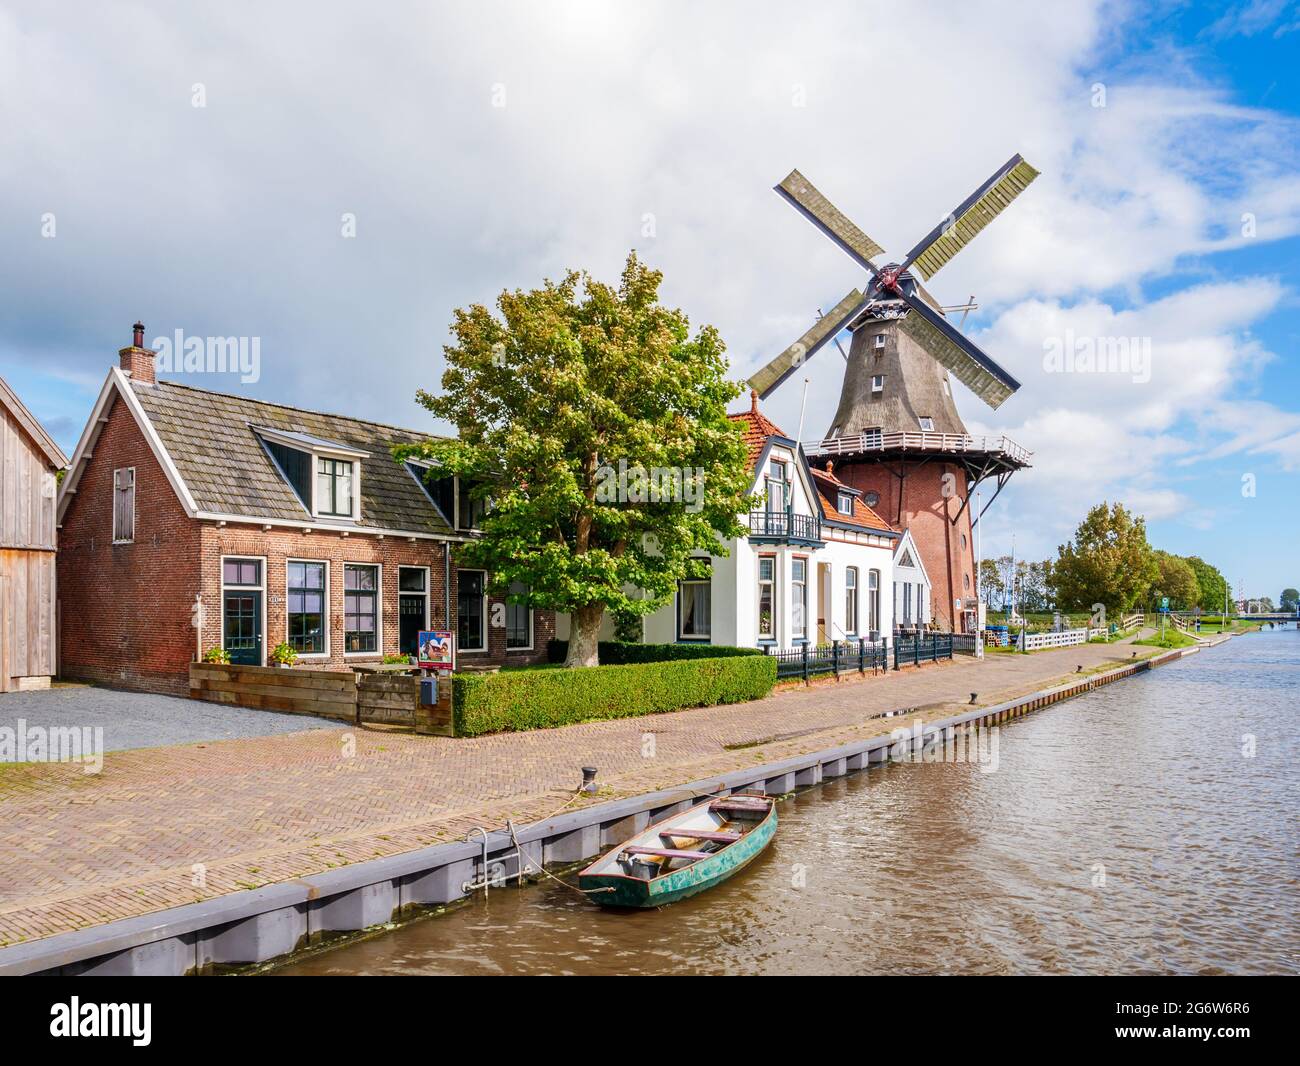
[(911, 586), (817, 564)]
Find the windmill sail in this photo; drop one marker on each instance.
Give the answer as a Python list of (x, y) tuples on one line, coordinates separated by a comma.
[(823, 214), (963, 358), (972, 215), (822, 330)]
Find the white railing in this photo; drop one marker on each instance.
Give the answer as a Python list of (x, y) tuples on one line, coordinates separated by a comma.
[(1064, 639), (930, 442)]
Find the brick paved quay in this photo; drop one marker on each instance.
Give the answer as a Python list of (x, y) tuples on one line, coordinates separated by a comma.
[(161, 827)]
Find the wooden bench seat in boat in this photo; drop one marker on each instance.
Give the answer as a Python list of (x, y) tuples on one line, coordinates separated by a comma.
[(666, 853), (700, 834), (748, 806)]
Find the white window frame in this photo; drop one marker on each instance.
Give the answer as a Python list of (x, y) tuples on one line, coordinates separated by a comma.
[(796, 584), (316, 453), (682, 635), (532, 628), (355, 513), (483, 628), (878, 383), (880, 340), (379, 652), (325, 619), (922, 420), (131, 538), (844, 499), (851, 594), (758, 601), (260, 587), (873, 601)]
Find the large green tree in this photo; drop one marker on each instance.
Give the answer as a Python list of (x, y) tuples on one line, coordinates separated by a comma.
[(1176, 579), (1212, 584), (1109, 562), (597, 423), (1289, 600)]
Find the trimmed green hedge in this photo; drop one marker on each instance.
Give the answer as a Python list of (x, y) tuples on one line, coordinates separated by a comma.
[(542, 699), (620, 653)]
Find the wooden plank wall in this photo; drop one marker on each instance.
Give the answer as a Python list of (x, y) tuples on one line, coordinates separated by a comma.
[(27, 490), (327, 693), (27, 581), (387, 697)]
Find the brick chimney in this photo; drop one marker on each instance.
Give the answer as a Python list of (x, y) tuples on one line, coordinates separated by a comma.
[(137, 360)]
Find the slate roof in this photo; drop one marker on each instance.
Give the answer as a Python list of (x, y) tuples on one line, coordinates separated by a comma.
[(828, 491), (212, 442)]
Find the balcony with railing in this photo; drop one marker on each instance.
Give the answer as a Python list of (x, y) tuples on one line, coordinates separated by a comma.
[(960, 443), (785, 527)]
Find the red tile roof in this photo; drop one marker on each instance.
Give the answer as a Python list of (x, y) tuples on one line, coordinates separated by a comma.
[(828, 486), (758, 427)]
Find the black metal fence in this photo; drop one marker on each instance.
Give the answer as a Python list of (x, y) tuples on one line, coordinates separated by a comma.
[(925, 648), (841, 657), (784, 525)]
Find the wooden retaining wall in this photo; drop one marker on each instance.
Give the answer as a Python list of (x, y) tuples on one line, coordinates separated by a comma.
[(390, 699), (327, 693)]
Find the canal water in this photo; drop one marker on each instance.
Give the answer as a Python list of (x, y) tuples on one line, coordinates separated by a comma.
[(1147, 827)]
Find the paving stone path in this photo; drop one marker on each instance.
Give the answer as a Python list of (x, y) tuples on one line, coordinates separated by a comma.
[(165, 826)]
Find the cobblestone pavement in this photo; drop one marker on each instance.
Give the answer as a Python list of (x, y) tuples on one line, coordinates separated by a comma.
[(160, 827), (145, 720)]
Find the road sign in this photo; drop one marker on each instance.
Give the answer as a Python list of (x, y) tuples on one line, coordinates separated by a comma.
[(1164, 604)]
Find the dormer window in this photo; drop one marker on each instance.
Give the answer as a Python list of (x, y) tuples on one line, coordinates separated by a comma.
[(324, 475), (334, 480), (845, 503)]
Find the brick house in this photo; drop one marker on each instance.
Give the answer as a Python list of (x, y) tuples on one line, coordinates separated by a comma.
[(192, 519)]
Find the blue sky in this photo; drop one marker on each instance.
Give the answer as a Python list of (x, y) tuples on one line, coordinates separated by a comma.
[(484, 146)]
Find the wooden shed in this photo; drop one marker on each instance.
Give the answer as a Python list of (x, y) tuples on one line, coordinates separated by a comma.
[(29, 462)]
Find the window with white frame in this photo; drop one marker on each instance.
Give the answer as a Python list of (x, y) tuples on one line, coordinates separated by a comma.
[(878, 383), (880, 340), (845, 503), (799, 598), (305, 610), (851, 599), (778, 487), (767, 597), (927, 424), (873, 601), (519, 618), (695, 608), (471, 610), (360, 608), (124, 505), (907, 603), (334, 479)]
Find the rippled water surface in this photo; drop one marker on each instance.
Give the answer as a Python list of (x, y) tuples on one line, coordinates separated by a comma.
[(944, 868)]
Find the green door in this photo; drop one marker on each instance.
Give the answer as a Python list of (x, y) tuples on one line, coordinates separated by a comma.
[(242, 632)]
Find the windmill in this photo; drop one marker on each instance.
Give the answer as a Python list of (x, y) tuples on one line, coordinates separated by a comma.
[(896, 433)]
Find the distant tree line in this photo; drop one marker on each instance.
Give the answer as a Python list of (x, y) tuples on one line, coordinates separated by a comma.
[(1109, 561)]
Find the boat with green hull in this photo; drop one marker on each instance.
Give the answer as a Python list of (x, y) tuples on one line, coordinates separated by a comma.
[(683, 854)]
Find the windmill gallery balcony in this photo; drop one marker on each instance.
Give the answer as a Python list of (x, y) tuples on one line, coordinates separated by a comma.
[(785, 527)]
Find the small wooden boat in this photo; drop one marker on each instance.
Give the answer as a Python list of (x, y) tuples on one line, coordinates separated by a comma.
[(683, 854)]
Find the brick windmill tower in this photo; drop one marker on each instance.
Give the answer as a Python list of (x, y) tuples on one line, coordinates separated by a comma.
[(896, 433)]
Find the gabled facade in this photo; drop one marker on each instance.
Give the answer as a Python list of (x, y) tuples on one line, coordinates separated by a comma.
[(912, 591), (29, 465), (815, 566), (192, 519)]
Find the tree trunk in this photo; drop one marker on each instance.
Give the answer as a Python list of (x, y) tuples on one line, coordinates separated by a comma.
[(584, 636)]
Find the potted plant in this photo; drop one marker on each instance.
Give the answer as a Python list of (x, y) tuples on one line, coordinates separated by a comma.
[(217, 655), (283, 655)]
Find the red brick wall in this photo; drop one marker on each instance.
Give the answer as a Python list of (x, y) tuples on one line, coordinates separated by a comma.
[(917, 503), (124, 609), (391, 553)]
